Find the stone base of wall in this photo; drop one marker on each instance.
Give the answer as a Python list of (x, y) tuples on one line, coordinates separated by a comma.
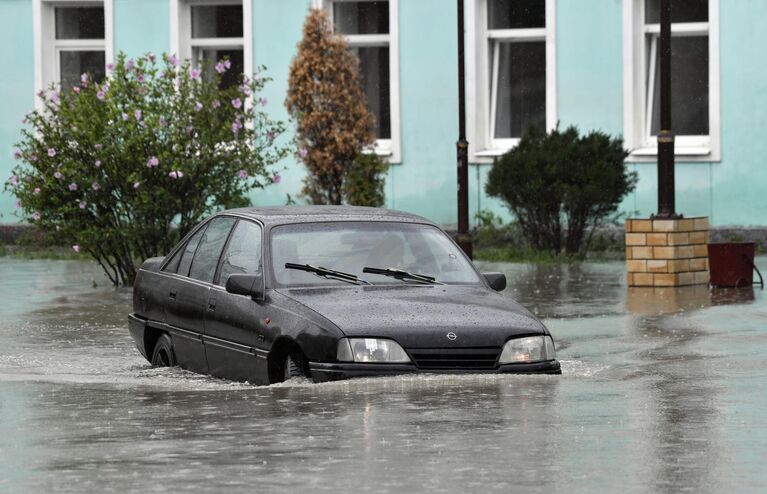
[(667, 252)]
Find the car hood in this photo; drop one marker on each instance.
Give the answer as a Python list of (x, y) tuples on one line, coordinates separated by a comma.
[(421, 316)]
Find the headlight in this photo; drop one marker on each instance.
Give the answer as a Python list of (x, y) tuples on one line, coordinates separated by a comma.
[(370, 350), (527, 350)]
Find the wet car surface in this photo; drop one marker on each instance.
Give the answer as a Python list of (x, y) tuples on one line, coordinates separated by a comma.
[(661, 391)]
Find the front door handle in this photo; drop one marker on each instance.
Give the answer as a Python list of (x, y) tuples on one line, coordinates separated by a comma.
[(172, 294), (212, 304)]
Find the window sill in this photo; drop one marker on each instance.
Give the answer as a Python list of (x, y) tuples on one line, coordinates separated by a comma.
[(689, 153)]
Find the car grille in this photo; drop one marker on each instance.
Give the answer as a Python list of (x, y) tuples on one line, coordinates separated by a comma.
[(455, 358)]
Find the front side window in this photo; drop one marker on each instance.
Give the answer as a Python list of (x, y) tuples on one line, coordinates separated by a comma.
[(78, 43), (243, 254), (369, 26), (214, 30), (351, 246), (208, 252), (694, 78)]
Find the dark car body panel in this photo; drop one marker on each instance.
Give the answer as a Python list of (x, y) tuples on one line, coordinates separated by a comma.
[(233, 336)]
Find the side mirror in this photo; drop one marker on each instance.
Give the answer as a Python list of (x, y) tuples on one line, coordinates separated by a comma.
[(497, 281), (251, 285)]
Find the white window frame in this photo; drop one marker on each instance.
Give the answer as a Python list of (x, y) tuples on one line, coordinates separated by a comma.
[(388, 148), (479, 97), (636, 124), (183, 45), (47, 48)]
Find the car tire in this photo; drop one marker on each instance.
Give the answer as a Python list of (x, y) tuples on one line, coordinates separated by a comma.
[(163, 355), (294, 366)]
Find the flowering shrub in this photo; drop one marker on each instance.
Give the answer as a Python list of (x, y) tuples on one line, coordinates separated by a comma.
[(121, 168)]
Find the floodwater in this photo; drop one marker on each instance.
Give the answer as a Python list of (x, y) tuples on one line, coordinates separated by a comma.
[(661, 391)]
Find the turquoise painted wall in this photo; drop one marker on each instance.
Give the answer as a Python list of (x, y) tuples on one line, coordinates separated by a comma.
[(17, 82), (589, 95), (142, 26)]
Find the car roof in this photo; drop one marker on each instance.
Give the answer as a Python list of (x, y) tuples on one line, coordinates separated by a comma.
[(280, 215)]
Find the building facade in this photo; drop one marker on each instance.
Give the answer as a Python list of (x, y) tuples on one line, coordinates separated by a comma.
[(589, 63)]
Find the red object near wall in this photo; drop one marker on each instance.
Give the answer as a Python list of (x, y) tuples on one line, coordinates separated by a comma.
[(731, 264)]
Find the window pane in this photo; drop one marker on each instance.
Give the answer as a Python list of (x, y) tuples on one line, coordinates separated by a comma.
[(232, 76), (515, 14), (361, 17), (219, 21), (209, 251), (689, 87), (74, 63), (521, 93), (191, 247), (79, 23), (681, 11), (374, 74), (172, 266), (243, 255)]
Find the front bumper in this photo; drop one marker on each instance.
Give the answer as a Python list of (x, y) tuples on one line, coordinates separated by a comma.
[(322, 371)]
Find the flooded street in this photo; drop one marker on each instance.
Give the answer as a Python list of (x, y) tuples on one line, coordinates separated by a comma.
[(661, 391)]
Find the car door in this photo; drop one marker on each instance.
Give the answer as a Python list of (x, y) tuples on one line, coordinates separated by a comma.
[(188, 292), (234, 323)]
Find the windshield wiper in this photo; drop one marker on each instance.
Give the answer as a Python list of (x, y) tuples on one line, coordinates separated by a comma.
[(326, 273), (403, 275)]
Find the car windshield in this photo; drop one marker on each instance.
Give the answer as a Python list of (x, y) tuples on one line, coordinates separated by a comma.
[(348, 247)]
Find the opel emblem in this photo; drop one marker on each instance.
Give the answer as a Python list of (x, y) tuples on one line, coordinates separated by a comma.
[(452, 336)]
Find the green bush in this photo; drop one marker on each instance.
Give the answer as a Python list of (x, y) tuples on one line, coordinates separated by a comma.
[(121, 168), (559, 185), (364, 181)]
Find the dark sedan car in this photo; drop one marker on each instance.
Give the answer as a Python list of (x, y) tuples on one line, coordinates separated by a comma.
[(266, 294)]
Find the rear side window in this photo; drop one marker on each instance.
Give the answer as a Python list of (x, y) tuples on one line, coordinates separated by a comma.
[(243, 255), (188, 252), (209, 250)]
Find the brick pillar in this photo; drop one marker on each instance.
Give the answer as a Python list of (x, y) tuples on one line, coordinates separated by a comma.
[(667, 252)]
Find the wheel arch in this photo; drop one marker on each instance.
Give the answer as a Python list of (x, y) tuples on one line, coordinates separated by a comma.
[(281, 348)]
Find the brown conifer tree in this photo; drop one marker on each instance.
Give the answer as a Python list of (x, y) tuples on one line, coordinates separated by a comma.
[(326, 100)]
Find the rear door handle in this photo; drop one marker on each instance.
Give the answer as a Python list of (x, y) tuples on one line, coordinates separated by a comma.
[(212, 304), (172, 294)]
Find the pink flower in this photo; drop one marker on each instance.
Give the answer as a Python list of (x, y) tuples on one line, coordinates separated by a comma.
[(17, 155), (136, 185), (110, 67), (98, 163), (76, 89), (270, 135), (98, 146), (176, 174), (33, 157), (216, 103), (58, 175), (220, 68), (173, 60), (129, 64), (37, 190), (73, 186), (245, 90), (137, 114), (198, 106), (55, 96), (151, 56), (153, 162), (36, 215), (243, 174), (141, 79), (195, 74), (236, 126), (76, 248), (276, 179), (303, 152), (125, 116), (40, 94), (100, 95), (237, 103), (227, 64), (264, 101), (82, 204), (84, 79), (163, 122), (14, 180), (51, 152), (95, 186), (18, 204)]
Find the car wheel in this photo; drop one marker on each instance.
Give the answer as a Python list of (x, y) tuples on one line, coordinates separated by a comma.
[(294, 366), (162, 355)]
